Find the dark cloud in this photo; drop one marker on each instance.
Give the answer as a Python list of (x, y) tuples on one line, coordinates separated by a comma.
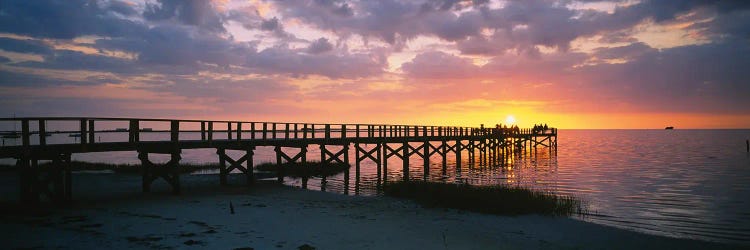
[(319, 46), (24, 46), (75, 60), (699, 78), (64, 19), (121, 7), (271, 24), (199, 13), (283, 60), (15, 78)]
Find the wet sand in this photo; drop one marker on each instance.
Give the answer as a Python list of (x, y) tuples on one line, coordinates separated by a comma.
[(111, 212)]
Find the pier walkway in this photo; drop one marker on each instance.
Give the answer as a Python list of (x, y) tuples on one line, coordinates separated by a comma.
[(170, 137)]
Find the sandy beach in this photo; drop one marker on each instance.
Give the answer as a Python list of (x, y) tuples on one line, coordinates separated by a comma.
[(111, 212)]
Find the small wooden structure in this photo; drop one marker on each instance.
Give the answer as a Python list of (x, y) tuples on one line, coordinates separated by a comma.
[(383, 142)]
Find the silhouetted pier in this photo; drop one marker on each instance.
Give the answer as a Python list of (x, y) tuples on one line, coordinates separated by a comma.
[(334, 140)]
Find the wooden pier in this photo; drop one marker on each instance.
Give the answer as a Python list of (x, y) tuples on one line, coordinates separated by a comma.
[(290, 141)]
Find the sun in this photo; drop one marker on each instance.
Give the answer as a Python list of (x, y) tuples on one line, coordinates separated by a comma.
[(510, 120)]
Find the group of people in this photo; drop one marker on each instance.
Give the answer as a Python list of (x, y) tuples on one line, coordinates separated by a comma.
[(540, 128), (514, 128)]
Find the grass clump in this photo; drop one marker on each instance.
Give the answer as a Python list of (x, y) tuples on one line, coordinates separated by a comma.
[(502, 200), (305, 170)]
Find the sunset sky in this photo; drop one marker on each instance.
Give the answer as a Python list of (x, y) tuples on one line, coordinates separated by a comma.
[(571, 64)]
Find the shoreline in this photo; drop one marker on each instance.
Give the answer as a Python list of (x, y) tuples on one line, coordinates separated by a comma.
[(113, 213)]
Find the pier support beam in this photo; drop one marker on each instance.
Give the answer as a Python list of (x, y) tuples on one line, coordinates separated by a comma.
[(168, 171), (52, 181), (388, 152), (362, 154), (282, 157), (340, 156), (224, 170)]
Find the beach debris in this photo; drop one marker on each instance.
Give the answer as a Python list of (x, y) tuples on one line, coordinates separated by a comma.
[(147, 238), (193, 242), (187, 234), (306, 247)]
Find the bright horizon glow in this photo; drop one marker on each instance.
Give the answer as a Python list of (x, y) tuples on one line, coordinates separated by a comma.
[(510, 120)]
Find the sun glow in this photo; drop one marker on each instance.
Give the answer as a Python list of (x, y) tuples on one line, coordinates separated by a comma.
[(510, 120)]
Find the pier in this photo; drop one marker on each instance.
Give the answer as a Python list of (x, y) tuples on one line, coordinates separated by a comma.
[(169, 137)]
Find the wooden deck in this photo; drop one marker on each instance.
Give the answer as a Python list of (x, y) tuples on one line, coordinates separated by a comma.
[(402, 141)]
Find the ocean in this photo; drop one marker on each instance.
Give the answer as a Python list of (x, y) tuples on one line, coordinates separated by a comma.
[(679, 183)]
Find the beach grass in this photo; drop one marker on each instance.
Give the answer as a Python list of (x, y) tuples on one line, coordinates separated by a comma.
[(307, 169), (502, 200)]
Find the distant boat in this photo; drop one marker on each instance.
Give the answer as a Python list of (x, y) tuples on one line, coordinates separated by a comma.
[(74, 135), (121, 130), (147, 129), (669, 128)]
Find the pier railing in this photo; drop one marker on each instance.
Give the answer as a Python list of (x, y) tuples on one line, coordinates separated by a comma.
[(86, 129)]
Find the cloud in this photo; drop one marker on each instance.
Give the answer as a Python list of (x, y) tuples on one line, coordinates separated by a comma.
[(24, 46), (439, 65), (319, 46), (65, 19), (199, 13), (283, 60)]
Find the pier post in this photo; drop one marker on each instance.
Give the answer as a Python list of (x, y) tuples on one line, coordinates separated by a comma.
[(247, 159), (281, 156), (426, 158), (459, 147), (373, 154), (168, 171), (444, 149), (405, 159), (52, 181)]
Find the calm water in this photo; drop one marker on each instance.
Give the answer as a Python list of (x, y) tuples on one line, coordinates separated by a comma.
[(680, 183)]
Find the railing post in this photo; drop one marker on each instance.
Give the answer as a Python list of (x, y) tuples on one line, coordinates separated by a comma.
[(83, 131), (252, 130), (265, 129), (210, 131), (203, 131), (91, 132), (25, 134), (174, 131), (356, 130), (239, 131), (296, 134), (328, 131), (286, 131), (229, 131), (134, 131), (42, 133), (304, 131), (343, 131)]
